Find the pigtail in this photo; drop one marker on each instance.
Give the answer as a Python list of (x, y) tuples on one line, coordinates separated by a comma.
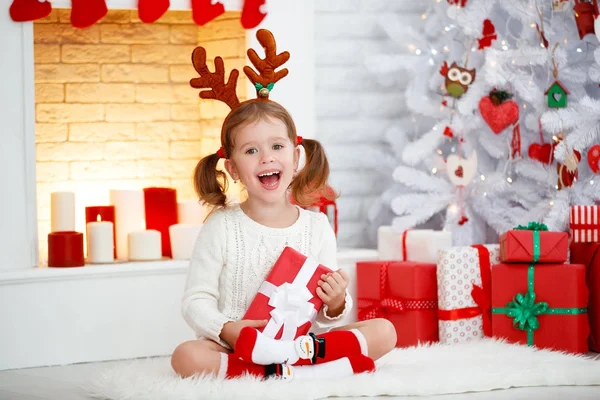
[(210, 184), (311, 182)]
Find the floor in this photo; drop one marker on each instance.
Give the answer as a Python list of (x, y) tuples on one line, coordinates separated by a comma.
[(64, 383)]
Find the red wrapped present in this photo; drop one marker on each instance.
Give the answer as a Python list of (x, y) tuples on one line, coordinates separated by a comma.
[(584, 224), (287, 298), (588, 254), (542, 305), (517, 245), (405, 293)]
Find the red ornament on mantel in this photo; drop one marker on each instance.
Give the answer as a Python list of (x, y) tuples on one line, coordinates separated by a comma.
[(251, 14), (65, 249), (151, 10), (85, 13), (586, 12), (204, 11), (29, 10), (161, 212)]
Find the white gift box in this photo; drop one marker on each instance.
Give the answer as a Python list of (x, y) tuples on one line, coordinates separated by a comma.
[(422, 245)]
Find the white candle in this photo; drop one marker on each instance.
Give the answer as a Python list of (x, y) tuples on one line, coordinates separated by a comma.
[(144, 245), (100, 242), (62, 211), (183, 239), (191, 212), (129, 217)]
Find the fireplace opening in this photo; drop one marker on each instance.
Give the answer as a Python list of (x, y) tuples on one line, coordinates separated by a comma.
[(114, 108)]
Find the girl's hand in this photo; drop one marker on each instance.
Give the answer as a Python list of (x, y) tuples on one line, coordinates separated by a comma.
[(332, 290), (231, 330)]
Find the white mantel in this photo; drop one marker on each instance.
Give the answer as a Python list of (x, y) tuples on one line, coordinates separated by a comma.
[(291, 21)]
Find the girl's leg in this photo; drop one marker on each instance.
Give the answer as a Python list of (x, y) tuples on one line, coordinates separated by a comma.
[(379, 333)]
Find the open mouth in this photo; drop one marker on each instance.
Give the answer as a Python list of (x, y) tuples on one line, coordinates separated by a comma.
[(270, 179)]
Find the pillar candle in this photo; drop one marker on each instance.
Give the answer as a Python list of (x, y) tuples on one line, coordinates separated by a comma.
[(62, 212), (183, 239), (129, 216), (65, 249), (161, 212), (145, 245), (191, 212), (102, 213), (100, 242)]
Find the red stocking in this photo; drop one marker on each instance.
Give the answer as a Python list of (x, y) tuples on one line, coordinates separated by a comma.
[(203, 11), (151, 10), (29, 10), (85, 13), (251, 15)]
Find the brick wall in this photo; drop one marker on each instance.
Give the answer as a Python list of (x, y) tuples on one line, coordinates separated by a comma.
[(354, 110), (114, 109)]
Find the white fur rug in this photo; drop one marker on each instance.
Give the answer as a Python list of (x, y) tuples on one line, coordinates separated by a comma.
[(418, 371)]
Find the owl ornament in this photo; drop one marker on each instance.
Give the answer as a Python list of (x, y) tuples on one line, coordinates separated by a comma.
[(458, 79)]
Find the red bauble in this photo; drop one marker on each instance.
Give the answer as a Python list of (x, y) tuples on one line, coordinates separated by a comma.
[(151, 10), (85, 13), (204, 11), (593, 156), (251, 15), (29, 10), (543, 153), (501, 116)]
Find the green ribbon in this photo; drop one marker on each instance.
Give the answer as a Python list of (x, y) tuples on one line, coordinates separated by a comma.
[(524, 310), (532, 226), (535, 227), (270, 86)]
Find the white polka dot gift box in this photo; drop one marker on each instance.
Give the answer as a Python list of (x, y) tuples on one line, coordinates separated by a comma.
[(464, 292)]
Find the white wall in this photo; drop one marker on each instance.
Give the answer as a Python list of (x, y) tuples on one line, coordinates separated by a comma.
[(18, 221), (353, 109)]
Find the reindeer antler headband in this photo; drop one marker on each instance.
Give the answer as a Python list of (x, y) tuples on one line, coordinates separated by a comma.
[(263, 81)]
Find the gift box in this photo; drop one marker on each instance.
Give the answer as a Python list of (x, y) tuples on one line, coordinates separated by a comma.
[(541, 305), (584, 224), (287, 298), (403, 293), (517, 245), (588, 254), (418, 245), (464, 290)]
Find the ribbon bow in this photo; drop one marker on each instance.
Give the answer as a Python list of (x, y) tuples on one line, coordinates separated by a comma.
[(524, 311), (532, 226), (291, 307)]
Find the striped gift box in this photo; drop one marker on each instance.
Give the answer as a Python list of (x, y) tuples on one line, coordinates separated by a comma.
[(584, 224)]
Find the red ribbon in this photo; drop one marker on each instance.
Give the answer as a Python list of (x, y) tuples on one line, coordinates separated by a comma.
[(370, 309), (482, 296), (585, 226)]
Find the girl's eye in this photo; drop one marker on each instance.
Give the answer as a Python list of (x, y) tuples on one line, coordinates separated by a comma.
[(277, 147), (251, 151)]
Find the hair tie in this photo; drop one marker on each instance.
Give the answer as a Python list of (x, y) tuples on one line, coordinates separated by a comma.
[(298, 140), (221, 152)]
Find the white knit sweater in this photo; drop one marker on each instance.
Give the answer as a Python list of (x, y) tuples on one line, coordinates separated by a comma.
[(232, 257)]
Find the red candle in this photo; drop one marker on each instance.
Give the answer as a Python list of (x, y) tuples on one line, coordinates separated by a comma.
[(160, 205), (65, 249), (102, 213)]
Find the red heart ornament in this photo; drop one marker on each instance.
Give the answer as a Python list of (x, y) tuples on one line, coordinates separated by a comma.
[(463, 220), (29, 10), (459, 171), (593, 156), (498, 117), (448, 132), (543, 153)]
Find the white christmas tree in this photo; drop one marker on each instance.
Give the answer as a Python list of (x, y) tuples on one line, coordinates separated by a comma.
[(514, 180)]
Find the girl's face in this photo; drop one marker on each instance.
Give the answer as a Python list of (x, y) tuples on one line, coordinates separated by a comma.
[(264, 159)]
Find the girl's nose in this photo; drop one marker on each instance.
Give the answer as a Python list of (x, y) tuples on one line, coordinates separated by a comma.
[(267, 158)]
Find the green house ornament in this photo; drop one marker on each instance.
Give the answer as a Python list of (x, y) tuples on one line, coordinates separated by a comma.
[(557, 95)]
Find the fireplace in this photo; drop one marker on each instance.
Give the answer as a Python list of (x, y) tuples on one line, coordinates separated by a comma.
[(114, 108)]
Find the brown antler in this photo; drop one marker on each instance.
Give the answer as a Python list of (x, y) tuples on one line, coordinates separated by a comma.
[(225, 92), (266, 76)]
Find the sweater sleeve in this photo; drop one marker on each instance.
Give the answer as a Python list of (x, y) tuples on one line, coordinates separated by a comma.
[(328, 257), (199, 305)]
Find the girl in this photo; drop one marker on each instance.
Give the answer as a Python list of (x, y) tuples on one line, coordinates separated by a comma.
[(238, 244)]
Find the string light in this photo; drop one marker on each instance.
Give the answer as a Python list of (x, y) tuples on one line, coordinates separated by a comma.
[(440, 152), (434, 51), (579, 50), (592, 182), (551, 203), (482, 177), (433, 170), (509, 179), (423, 16), (418, 51)]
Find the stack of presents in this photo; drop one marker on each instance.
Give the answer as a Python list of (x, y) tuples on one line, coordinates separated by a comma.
[(536, 287)]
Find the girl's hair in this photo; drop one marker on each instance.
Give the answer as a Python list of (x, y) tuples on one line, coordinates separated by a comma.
[(308, 185)]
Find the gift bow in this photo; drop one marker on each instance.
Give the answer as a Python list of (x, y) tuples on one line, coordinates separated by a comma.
[(291, 309), (532, 226), (524, 311)]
